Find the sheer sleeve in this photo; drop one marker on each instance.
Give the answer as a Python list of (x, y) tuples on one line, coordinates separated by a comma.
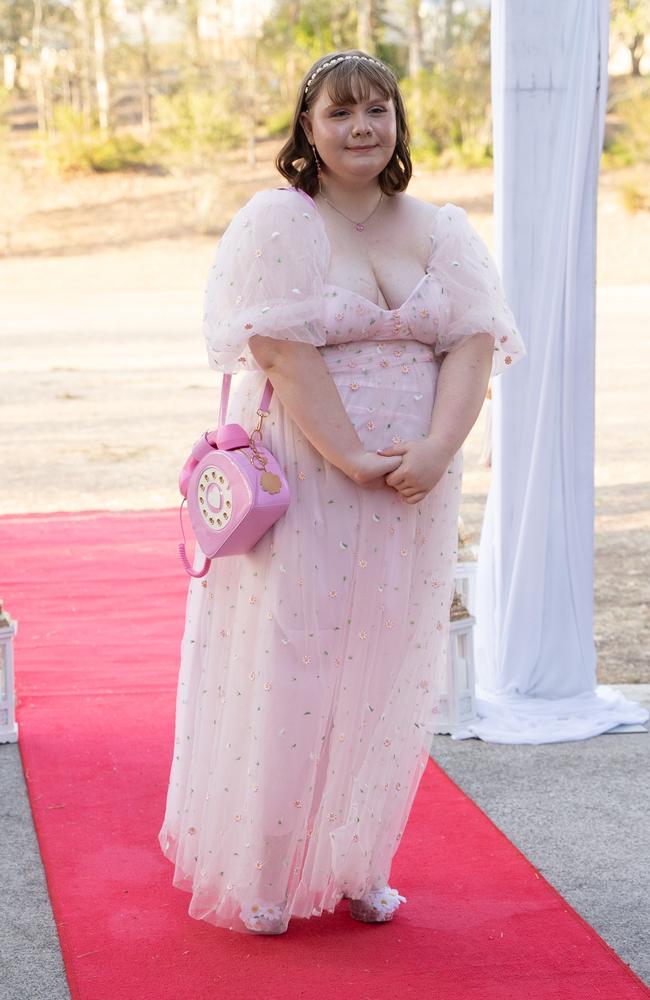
[(266, 278), (473, 299)]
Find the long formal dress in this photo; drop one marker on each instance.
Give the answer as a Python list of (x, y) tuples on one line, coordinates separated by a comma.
[(311, 668)]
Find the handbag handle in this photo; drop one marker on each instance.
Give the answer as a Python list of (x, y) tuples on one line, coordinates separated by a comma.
[(225, 396)]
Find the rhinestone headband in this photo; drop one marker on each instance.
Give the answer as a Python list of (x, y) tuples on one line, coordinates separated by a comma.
[(333, 62)]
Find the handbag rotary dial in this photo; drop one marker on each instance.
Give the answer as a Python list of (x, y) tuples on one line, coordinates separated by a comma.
[(215, 498)]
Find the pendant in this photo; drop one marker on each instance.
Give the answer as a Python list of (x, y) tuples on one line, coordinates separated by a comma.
[(270, 483), (360, 227)]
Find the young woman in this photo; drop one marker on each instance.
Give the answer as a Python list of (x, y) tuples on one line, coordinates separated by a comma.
[(311, 668)]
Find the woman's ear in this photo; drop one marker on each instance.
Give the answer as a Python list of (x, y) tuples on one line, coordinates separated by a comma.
[(306, 126)]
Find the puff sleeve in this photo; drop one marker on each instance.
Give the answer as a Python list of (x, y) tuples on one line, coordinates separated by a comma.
[(266, 278), (472, 295)]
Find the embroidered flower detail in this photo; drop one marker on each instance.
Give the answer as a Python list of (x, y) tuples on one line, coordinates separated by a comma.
[(297, 803), (508, 359), (403, 552), (396, 439), (258, 253), (269, 615), (398, 353), (383, 363), (354, 385), (237, 817), (331, 817), (391, 530), (363, 563), (192, 831), (503, 339), (424, 313), (355, 838), (259, 864), (424, 685), (339, 317), (252, 675), (252, 599), (397, 786), (301, 475), (306, 659), (439, 626), (267, 686), (248, 326), (363, 634), (341, 737), (387, 741), (406, 369), (332, 593), (300, 581), (371, 425), (388, 623)]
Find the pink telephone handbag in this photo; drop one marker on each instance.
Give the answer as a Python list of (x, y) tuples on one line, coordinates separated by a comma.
[(234, 487)]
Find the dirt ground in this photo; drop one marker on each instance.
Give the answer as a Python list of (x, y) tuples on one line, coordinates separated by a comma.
[(104, 384)]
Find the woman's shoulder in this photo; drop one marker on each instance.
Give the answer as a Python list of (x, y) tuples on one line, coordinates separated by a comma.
[(425, 214), (283, 199)]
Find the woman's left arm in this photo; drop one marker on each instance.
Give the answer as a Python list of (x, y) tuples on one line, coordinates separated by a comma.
[(461, 386)]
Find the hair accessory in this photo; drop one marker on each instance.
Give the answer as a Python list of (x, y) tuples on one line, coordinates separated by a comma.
[(234, 487), (338, 59)]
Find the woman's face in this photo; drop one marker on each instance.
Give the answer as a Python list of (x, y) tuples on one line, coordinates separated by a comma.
[(354, 141)]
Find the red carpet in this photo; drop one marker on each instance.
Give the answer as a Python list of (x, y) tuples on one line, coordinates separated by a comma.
[(100, 602)]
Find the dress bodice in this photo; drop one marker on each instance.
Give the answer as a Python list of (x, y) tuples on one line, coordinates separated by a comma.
[(348, 316)]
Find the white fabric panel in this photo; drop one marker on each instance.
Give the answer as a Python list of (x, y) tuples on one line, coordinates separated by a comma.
[(536, 660)]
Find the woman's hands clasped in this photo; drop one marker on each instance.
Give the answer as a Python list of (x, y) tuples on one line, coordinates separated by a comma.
[(422, 465)]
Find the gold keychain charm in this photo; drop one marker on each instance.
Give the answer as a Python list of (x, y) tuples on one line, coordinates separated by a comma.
[(270, 483)]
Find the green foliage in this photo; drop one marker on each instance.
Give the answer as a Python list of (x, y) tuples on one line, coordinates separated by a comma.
[(197, 123), (73, 150), (630, 143), (277, 125), (634, 198)]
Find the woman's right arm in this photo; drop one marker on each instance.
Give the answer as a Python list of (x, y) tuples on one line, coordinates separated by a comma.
[(300, 377)]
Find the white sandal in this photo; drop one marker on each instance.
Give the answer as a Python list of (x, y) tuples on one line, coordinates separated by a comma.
[(377, 906), (263, 917)]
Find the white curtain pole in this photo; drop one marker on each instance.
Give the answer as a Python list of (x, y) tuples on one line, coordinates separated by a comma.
[(536, 660)]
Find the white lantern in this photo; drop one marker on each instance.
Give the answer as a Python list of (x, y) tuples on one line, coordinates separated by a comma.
[(458, 703), (8, 724)]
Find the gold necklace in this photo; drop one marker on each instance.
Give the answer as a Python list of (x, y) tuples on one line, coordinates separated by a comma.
[(359, 226)]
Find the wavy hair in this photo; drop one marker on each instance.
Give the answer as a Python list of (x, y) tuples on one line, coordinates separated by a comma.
[(347, 82)]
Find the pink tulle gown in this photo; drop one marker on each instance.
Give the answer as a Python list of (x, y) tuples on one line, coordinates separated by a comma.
[(311, 667)]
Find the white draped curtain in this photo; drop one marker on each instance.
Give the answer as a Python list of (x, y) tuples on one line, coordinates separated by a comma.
[(536, 660)]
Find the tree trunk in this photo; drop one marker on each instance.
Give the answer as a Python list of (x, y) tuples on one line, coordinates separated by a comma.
[(365, 35), (415, 62), (101, 79), (636, 54), (41, 109), (146, 75)]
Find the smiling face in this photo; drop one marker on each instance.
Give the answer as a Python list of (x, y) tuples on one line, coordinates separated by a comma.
[(354, 131)]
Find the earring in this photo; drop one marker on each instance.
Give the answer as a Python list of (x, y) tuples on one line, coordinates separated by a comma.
[(318, 167)]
